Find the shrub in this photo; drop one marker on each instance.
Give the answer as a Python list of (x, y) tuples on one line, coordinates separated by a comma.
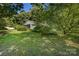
[(20, 28), (3, 32), (2, 28), (42, 29)]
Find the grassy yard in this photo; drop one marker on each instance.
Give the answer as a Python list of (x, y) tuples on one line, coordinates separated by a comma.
[(33, 44)]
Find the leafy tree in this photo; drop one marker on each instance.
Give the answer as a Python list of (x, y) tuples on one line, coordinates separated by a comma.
[(20, 18), (62, 19), (65, 17), (8, 10), (38, 14)]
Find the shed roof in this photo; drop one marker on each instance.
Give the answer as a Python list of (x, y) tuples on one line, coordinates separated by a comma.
[(29, 22)]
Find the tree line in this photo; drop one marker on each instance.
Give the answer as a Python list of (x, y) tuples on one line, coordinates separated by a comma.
[(49, 18)]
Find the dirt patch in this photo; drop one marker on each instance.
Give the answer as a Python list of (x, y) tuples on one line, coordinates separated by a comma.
[(71, 43)]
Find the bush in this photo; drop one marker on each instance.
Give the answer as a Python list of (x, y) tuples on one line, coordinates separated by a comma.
[(3, 32), (20, 28), (2, 28), (42, 29)]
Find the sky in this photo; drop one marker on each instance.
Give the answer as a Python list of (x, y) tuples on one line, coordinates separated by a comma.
[(27, 6)]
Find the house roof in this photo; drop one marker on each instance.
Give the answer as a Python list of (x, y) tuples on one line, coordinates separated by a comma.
[(29, 22)]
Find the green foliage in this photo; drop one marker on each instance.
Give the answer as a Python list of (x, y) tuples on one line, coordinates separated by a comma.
[(20, 18), (42, 29), (59, 19), (8, 10), (3, 32), (8, 21), (64, 18), (20, 28), (2, 24)]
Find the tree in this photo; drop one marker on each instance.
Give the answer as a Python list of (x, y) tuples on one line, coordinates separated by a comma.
[(38, 14), (20, 18), (65, 17), (59, 19), (8, 10)]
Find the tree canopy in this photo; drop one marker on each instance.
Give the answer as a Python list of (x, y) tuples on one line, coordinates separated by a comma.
[(8, 10), (49, 17)]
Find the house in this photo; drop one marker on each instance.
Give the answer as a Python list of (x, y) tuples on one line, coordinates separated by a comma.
[(30, 24)]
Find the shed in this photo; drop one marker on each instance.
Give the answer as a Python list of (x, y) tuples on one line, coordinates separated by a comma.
[(30, 24)]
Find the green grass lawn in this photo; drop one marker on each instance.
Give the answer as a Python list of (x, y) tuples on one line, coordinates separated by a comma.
[(35, 44)]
